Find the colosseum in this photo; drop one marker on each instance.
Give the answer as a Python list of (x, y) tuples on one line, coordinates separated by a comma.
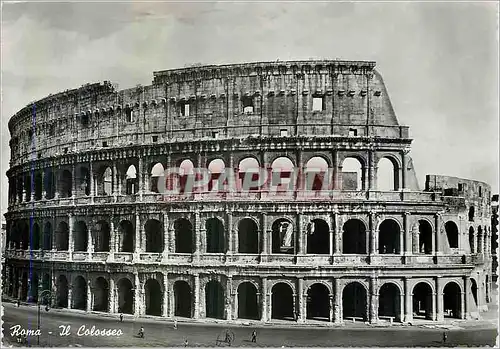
[(343, 233)]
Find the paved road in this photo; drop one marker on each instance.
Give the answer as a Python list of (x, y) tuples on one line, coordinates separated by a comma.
[(159, 333)]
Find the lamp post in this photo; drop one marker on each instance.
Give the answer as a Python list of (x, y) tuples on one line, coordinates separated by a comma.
[(43, 295)]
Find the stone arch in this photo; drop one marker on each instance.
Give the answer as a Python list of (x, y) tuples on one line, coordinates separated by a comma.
[(125, 296), (62, 236), (186, 169), (318, 237), (474, 289), (479, 239), (282, 168), (283, 236), (214, 235), (126, 237), (422, 300), (101, 291), (80, 236), (35, 239), (452, 298), (354, 237), (38, 185), (83, 181), (216, 167), (48, 184), (390, 300), (471, 213), (154, 297), (102, 237), (183, 230), (154, 236), (79, 293), (214, 300), (248, 236), (471, 240), (47, 236), (389, 237), (387, 174), (424, 237), (248, 172), (62, 291), (157, 181), (247, 301), (131, 182), (352, 174), (105, 181), (282, 301), (318, 302), (354, 301), (451, 233), (316, 174), (182, 299)]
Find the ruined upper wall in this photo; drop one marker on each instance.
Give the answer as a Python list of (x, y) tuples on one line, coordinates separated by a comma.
[(303, 98)]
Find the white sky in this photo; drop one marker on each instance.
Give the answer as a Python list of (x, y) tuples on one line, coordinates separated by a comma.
[(439, 60)]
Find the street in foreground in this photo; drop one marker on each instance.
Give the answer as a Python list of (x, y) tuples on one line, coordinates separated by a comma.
[(160, 333)]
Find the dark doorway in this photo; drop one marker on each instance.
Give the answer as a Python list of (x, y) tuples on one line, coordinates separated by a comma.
[(389, 301), (154, 297), (80, 237), (354, 237), (424, 237), (318, 302), (452, 300), (282, 302), (126, 237), (354, 301), (214, 300), (452, 234), (101, 292), (389, 237), (182, 298), (247, 301), (422, 301), (248, 236), (62, 292), (183, 236), (318, 237), (154, 236), (215, 235), (125, 296), (79, 293)]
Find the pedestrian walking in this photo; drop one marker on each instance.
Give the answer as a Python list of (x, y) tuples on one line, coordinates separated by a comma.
[(175, 324), (254, 336), (186, 343), (121, 317), (445, 337)]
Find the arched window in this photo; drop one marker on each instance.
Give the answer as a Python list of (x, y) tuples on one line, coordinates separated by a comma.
[(352, 175), (387, 175), (452, 234)]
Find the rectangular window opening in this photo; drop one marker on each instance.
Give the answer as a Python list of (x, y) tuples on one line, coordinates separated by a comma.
[(318, 104), (460, 187), (284, 133), (215, 134), (353, 132), (247, 105), (104, 144), (155, 139), (185, 109)]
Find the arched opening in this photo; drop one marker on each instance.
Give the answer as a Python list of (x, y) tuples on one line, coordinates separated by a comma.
[(214, 300), (33, 288), (318, 302), (451, 300), (389, 301), (452, 233), (183, 236), (247, 301), (157, 178), (387, 175), (186, 170), (471, 214), (424, 237), (282, 304), (318, 237), (102, 237), (422, 301), (215, 235), (389, 237), (35, 239), (248, 236), (79, 293), (62, 237), (487, 290), (282, 170), (49, 184), (473, 286), (126, 237), (479, 240), (131, 186), (101, 294), (25, 235), (154, 297), (65, 184), (352, 174), (471, 240), (62, 292), (316, 174), (125, 296), (216, 167), (154, 236), (248, 174), (105, 184), (38, 186), (354, 237), (182, 299), (27, 187), (283, 240), (354, 301), (47, 236), (80, 236)]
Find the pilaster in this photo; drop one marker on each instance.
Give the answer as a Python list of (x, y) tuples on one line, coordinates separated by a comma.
[(337, 311), (196, 296), (408, 301)]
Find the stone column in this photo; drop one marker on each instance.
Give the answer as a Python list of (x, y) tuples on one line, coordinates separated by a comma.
[(140, 178), (373, 233), (137, 295), (408, 301), (337, 311), (112, 300), (462, 305), (407, 234), (71, 242), (166, 297), (231, 241), (114, 180), (373, 300), (332, 307), (439, 299), (166, 235), (197, 235), (300, 236), (89, 296), (265, 248), (137, 233), (372, 185), (466, 296), (338, 234), (91, 175), (90, 242), (228, 300), (434, 305), (438, 234), (44, 189), (73, 183), (264, 313), (196, 296), (402, 307), (112, 235), (332, 233), (403, 168), (301, 303)]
